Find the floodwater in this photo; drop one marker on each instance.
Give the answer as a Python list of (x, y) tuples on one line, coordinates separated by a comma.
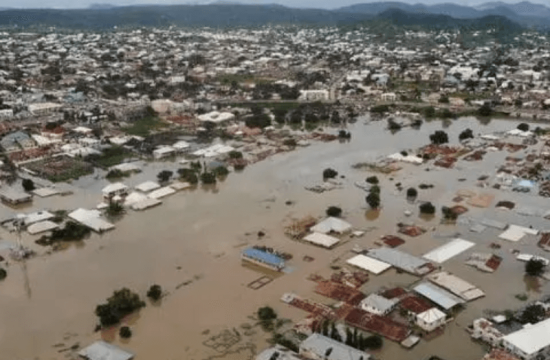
[(190, 246)]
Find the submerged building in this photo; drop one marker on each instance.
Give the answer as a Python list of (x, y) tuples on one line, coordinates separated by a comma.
[(263, 258)]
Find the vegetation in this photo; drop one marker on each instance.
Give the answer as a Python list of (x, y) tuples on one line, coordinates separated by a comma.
[(329, 173), (155, 292), (534, 267), (448, 214), (532, 314), (334, 211), (466, 134), (373, 342), (258, 121), (3, 273), (125, 332), (235, 154), (188, 175), (375, 189), (116, 174), (522, 297), (343, 134), (427, 208), (267, 317), (208, 178), (444, 99), (123, 302), (145, 126), (290, 142), (373, 199), (372, 180), (164, 175), (380, 109), (114, 209), (72, 231), (28, 185), (439, 137), (109, 157), (393, 125), (485, 110), (221, 171), (523, 127), (412, 193)]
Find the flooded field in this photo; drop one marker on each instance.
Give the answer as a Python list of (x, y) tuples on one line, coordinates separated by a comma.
[(190, 245)]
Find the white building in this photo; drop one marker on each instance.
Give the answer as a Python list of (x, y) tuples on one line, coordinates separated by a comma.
[(531, 342), (6, 114), (485, 331), (431, 319), (389, 97), (314, 95), (319, 347), (163, 151), (378, 305), (43, 108), (115, 189)]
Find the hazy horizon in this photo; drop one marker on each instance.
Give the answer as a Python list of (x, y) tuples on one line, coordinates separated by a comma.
[(321, 4)]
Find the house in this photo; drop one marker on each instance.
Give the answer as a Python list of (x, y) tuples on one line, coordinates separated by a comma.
[(263, 258), (531, 342), (484, 330), (101, 350), (14, 197), (6, 114), (388, 97), (378, 305), (163, 151), (43, 108), (431, 319), (278, 352), (319, 347), (16, 141), (314, 95), (499, 354), (115, 189)]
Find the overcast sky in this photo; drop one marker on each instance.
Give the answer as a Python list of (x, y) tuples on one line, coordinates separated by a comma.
[(327, 4)]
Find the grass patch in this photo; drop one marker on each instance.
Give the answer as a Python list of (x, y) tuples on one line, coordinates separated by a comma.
[(110, 157), (144, 126), (522, 297)]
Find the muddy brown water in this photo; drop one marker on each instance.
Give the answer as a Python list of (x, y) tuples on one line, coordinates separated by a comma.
[(190, 245)]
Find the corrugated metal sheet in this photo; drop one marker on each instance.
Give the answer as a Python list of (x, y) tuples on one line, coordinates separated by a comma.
[(437, 295), (448, 250)]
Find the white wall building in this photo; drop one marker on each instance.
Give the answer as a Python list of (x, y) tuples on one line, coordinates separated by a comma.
[(378, 305), (6, 114), (431, 319), (531, 342), (43, 108), (314, 95)]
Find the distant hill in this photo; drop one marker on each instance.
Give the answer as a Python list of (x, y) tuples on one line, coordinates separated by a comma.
[(101, 6), (225, 15), (523, 13)]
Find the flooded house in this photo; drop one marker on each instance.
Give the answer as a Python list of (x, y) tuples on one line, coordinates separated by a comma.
[(263, 259), (319, 347)]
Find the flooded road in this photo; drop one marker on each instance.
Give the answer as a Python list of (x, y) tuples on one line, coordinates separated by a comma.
[(190, 245)]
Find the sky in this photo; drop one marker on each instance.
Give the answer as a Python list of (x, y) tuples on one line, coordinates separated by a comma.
[(326, 4)]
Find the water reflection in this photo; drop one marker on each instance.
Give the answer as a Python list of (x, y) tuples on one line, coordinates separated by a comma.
[(532, 284), (372, 214)]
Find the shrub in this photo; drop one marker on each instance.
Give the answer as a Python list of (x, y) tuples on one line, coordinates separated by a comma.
[(71, 232), (28, 185), (221, 171), (343, 134), (412, 192), (164, 175), (404, 153), (373, 199), (523, 127), (429, 112), (115, 174), (444, 99), (375, 189), (334, 211), (235, 155), (485, 110), (3, 274), (125, 332), (372, 180), (439, 137), (329, 173), (290, 142), (155, 292), (115, 208), (448, 214), (427, 208), (380, 109), (208, 178), (266, 313), (188, 175), (466, 134), (373, 342), (123, 302), (534, 267), (532, 314)]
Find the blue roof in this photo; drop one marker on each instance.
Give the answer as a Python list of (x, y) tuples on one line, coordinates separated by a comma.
[(264, 256)]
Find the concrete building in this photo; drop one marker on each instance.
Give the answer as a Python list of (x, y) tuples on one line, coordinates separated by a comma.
[(43, 108), (264, 259), (314, 95), (431, 319), (531, 342), (319, 347), (6, 114), (378, 305), (484, 330)]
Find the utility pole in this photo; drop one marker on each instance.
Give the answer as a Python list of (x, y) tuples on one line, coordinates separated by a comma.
[(21, 254)]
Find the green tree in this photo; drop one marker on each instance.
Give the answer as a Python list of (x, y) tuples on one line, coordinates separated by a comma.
[(374, 342), (164, 175), (466, 134), (523, 127), (334, 211), (123, 302), (208, 178), (412, 193), (28, 185), (372, 180), (155, 292), (439, 137), (373, 199), (485, 110), (532, 314), (125, 332), (3, 273), (534, 267), (221, 171), (448, 213), (188, 175), (427, 208), (329, 173)]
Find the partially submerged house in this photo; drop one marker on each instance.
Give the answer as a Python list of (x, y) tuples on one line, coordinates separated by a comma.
[(263, 258), (319, 347), (378, 305), (431, 319), (101, 350)]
